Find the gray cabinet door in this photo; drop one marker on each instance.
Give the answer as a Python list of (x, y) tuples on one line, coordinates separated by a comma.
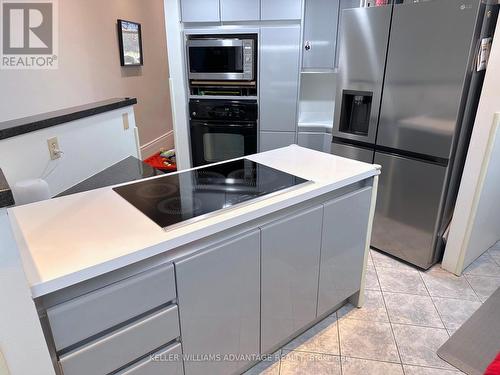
[(320, 34), (273, 140), (345, 224), (200, 10), (281, 9), (240, 10), (219, 304), (290, 267), (279, 77)]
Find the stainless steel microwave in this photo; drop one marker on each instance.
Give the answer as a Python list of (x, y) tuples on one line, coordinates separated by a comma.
[(222, 59)]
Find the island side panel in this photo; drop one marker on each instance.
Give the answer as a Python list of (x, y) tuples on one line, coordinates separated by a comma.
[(21, 337), (358, 299)]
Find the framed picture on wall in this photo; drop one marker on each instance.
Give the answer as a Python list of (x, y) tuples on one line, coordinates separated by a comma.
[(130, 41)]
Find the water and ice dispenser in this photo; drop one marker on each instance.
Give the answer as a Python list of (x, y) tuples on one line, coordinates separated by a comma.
[(355, 112)]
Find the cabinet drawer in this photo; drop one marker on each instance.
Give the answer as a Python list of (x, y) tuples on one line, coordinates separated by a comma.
[(123, 346), (165, 362), (92, 313)]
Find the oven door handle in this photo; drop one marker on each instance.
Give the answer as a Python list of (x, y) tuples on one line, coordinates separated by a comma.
[(229, 125)]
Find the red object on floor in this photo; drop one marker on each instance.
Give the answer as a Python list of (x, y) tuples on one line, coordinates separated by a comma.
[(494, 367), (156, 161)]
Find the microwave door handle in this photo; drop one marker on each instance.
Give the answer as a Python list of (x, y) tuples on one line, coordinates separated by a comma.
[(215, 43), (239, 61)]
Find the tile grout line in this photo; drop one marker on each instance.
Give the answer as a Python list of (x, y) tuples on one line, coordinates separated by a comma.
[(434, 304), (354, 357), (390, 323), (338, 337), (492, 258), (401, 324), (424, 295), (451, 371), (474, 290), (487, 276)]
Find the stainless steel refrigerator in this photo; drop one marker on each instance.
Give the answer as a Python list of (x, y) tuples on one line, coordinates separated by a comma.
[(409, 81)]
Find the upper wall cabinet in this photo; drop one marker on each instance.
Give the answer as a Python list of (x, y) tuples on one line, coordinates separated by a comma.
[(320, 34), (240, 10), (279, 77), (281, 10), (200, 10)]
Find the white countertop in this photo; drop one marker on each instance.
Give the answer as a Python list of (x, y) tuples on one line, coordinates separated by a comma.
[(71, 239)]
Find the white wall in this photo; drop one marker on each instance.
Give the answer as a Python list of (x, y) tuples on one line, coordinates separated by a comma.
[(89, 68), (90, 145), (476, 220), (485, 230)]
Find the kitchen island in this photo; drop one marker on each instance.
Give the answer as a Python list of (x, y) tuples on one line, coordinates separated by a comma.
[(116, 293)]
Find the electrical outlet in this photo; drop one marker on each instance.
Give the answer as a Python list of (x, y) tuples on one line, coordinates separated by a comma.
[(126, 124), (54, 150)]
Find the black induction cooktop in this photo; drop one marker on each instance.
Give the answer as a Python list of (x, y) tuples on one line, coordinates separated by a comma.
[(176, 198)]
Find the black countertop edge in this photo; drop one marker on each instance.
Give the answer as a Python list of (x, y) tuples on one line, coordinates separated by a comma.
[(25, 125), (6, 198)]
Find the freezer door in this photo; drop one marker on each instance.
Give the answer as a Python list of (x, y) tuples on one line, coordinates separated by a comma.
[(407, 210), (426, 69), (363, 42), (353, 152)]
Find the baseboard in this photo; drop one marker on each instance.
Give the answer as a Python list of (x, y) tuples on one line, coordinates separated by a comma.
[(165, 141)]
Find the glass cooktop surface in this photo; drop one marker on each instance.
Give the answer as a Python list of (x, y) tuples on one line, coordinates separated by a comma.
[(177, 198)]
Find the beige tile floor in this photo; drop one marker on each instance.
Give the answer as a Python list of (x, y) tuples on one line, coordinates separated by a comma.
[(408, 314)]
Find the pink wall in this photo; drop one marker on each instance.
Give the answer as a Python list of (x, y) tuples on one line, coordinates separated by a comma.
[(89, 66)]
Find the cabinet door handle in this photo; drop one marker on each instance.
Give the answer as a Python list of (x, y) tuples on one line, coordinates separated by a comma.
[(307, 45)]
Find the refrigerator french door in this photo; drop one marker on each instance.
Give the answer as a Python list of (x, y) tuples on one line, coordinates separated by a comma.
[(363, 41), (408, 204), (429, 95)]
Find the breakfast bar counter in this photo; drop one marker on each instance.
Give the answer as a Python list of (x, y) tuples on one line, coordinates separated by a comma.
[(234, 285)]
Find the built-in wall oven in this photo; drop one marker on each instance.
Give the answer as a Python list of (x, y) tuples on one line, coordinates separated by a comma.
[(222, 129), (222, 57)]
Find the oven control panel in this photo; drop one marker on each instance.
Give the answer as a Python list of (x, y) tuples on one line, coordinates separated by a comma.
[(234, 110)]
